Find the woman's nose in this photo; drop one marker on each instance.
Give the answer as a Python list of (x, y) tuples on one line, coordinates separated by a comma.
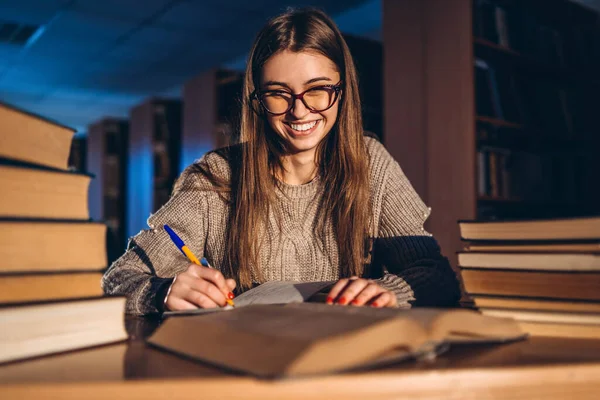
[(299, 110)]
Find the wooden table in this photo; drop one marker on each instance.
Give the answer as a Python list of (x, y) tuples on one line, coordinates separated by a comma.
[(539, 368)]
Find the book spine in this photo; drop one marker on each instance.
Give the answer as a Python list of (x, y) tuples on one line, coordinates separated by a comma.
[(489, 21), (501, 27), (493, 173), (482, 173), (495, 94), (505, 176)]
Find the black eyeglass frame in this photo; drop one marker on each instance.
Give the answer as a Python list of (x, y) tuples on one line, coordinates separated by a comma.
[(337, 88)]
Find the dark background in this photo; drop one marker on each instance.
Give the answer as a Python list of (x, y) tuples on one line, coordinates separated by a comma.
[(152, 85)]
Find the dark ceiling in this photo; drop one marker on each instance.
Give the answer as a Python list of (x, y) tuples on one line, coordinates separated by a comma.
[(94, 58)]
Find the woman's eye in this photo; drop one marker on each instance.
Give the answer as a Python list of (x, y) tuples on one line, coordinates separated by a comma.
[(278, 94), (316, 90)]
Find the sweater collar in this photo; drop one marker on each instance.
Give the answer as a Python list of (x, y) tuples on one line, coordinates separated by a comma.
[(305, 190)]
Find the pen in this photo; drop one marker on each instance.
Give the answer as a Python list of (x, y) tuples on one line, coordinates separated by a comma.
[(188, 253)]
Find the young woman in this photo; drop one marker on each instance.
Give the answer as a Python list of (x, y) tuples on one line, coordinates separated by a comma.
[(305, 196)]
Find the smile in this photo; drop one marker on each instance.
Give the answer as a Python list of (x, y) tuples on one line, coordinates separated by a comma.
[(303, 127)]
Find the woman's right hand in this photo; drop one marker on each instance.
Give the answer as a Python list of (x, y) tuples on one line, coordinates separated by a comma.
[(198, 286)]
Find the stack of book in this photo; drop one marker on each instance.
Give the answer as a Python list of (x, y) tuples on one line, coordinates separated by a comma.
[(51, 254), (543, 273)]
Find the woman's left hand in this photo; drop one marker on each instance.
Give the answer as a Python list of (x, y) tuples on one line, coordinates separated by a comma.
[(359, 292)]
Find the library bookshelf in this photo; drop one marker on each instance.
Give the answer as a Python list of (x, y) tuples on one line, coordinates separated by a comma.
[(107, 158), (490, 108)]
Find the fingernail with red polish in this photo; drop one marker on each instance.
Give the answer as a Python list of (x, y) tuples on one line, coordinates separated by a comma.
[(342, 300), (329, 300), (230, 296), (354, 302), (374, 304)]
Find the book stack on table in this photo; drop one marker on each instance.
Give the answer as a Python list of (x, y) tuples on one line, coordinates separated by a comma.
[(543, 273), (51, 255)]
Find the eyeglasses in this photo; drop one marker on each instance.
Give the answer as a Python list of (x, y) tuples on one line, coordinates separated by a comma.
[(316, 99)]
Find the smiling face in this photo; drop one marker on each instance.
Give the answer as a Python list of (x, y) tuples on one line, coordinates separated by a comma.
[(289, 72)]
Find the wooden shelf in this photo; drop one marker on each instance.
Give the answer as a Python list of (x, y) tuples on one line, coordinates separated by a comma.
[(491, 45), (515, 201), (486, 49), (540, 144), (498, 122), (493, 199)]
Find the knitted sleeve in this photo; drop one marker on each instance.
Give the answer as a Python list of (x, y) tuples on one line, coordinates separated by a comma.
[(151, 261), (414, 268)]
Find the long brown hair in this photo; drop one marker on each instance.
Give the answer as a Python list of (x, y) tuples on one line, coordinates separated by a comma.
[(342, 157)]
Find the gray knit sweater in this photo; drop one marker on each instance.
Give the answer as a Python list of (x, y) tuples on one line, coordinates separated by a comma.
[(406, 259)]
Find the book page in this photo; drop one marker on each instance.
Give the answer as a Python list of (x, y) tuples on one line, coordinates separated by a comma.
[(273, 292), (281, 292)]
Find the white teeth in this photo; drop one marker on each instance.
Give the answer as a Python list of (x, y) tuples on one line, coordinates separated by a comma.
[(303, 127)]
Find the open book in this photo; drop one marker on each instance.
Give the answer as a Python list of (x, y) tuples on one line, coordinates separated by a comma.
[(273, 292), (308, 338)]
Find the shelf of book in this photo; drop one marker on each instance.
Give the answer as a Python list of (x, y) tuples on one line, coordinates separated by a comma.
[(529, 64), (531, 72), (533, 67), (211, 110), (490, 107), (155, 151), (107, 155)]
